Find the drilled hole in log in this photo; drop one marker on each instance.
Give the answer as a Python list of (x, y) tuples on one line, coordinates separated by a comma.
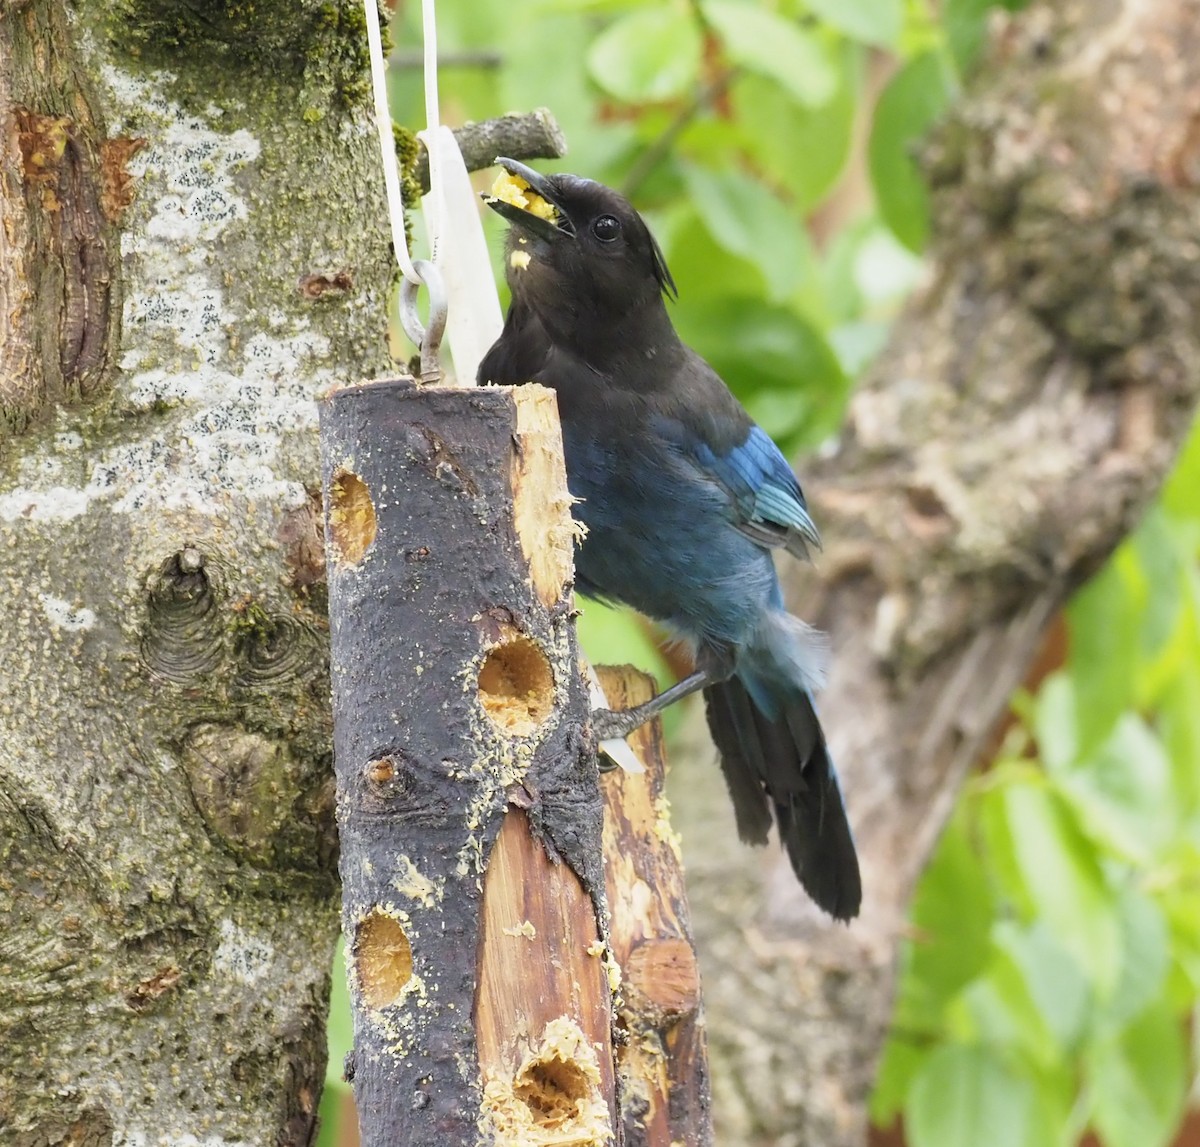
[(351, 517), (516, 687), (382, 958), (555, 1090), (381, 770)]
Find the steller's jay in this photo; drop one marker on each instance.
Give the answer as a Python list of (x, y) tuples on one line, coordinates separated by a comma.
[(683, 498)]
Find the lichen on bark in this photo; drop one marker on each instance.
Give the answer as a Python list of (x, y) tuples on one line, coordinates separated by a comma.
[(166, 832)]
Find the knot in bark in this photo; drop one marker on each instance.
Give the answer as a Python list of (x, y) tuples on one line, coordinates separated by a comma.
[(182, 641)]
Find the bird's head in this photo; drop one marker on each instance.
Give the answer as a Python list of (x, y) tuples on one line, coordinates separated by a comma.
[(576, 249)]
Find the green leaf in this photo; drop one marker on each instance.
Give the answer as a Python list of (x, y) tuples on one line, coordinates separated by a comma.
[(1063, 881), (999, 850), (1122, 792), (1139, 1082), (747, 220), (1104, 620), (704, 269), (1181, 907), (1033, 999), (616, 637), (1179, 494), (965, 22), (758, 348), (952, 915), (766, 43), (901, 1060), (997, 1009), (529, 40), (339, 1030), (876, 22), (966, 1095), (857, 344), (841, 271), (1158, 546), (912, 100), (650, 54), (1179, 725), (1054, 982), (1054, 722), (1160, 670), (1053, 1116), (800, 149), (886, 271), (334, 1100), (1145, 958)]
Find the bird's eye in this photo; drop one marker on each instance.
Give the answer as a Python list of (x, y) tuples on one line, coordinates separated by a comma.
[(606, 228)]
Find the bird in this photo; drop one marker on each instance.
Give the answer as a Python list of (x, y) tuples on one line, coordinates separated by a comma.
[(682, 498)]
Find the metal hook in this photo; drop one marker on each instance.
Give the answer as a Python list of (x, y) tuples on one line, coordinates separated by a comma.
[(427, 339)]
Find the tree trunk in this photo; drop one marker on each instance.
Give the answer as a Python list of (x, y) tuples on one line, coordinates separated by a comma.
[(508, 975), (191, 245), (1034, 395)]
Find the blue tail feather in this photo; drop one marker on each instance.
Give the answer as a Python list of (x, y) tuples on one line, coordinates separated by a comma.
[(775, 761)]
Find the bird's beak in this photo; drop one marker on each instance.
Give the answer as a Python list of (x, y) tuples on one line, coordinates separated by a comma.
[(538, 213)]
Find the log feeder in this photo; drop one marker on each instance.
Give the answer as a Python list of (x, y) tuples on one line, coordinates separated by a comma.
[(468, 798), (487, 997)]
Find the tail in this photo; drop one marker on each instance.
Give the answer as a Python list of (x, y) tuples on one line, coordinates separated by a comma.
[(774, 758)]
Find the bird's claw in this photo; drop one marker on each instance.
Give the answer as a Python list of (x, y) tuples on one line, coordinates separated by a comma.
[(615, 724)]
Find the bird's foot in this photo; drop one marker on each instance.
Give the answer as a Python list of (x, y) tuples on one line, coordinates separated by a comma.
[(611, 724), (617, 724)]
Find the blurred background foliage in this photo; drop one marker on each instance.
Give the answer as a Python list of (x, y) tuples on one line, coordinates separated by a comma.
[(1053, 964)]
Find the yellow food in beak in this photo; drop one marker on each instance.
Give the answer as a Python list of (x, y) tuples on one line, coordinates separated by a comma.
[(514, 190)]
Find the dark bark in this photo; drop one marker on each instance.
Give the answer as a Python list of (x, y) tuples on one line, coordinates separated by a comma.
[(60, 203), (1033, 397)]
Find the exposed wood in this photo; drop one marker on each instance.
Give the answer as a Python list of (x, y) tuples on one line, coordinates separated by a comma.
[(663, 1060), (543, 1015), (60, 194), (480, 1005), (541, 501)]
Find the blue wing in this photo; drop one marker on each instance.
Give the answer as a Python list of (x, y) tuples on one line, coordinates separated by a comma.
[(766, 500)]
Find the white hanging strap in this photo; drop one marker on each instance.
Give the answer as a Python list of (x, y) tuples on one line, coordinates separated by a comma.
[(421, 272), (475, 319), (387, 144), (452, 223), (434, 214)]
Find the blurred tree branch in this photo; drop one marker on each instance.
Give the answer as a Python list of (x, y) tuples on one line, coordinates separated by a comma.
[(1033, 397)]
